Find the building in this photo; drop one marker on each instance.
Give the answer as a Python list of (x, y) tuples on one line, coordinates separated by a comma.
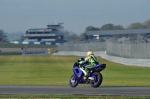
[(53, 34), (102, 34)]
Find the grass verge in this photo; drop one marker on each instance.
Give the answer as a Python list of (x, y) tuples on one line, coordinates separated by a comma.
[(70, 97), (50, 70)]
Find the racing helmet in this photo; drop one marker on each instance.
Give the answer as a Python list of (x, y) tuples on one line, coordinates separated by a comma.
[(80, 59), (90, 53)]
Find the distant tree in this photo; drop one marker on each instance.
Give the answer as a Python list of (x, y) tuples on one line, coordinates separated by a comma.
[(136, 25), (108, 26), (147, 24), (73, 37), (82, 36), (3, 36), (119, 27), (91, 28), (21, 38)]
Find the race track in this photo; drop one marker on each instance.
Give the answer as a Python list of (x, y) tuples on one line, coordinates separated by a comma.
[(79, 90)]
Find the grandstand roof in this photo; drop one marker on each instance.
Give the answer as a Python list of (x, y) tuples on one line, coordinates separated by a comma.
[(113, 32)]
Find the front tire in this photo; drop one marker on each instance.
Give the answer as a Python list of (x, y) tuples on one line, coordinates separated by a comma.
[(98, 78), (73, 82)]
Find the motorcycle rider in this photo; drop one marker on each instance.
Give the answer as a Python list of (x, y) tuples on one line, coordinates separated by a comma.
[(91, 60)]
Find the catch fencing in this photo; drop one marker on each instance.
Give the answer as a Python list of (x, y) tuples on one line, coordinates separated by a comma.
[(129, 49), (27, 50), (83, 46), (139, 49), (10, 50)]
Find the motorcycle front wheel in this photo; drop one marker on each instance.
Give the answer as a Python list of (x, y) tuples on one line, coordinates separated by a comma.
[(73, 82), (98, 78)]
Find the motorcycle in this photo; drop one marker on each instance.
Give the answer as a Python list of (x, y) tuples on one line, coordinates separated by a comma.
[(94, 77)]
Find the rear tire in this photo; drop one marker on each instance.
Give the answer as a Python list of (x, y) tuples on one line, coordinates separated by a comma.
[(98, 78), (73, 82)]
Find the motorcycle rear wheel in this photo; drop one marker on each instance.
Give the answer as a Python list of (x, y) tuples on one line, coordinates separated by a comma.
[(98, 78)]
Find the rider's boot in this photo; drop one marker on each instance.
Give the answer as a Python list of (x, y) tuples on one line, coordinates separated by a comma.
[(86, 75)]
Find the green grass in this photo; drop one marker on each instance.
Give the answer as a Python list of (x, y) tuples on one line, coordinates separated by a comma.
[(56, 70), (71, 97)]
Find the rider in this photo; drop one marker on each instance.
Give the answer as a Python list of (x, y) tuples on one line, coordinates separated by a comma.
[(91, 60)]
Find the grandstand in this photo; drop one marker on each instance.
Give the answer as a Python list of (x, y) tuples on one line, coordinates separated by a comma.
[(104, 34), (52, 35)]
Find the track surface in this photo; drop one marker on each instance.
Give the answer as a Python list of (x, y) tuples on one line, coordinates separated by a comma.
[(80, 89)]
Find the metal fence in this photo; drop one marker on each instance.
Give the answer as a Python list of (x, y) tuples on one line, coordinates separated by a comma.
[(129, 49), (126, 49), (34, 50), (10, 50), (26, 50), (83, 46)]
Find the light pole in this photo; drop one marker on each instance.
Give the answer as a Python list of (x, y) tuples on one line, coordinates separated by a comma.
[(25, 49)]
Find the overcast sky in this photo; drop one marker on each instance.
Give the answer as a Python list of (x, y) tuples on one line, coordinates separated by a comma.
[(20, 15)]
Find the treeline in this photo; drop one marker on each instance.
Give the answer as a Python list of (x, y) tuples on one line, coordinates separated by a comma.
[(110, 26), (3, 36)]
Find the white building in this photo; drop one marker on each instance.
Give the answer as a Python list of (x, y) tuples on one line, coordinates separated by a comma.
[(51, 35)]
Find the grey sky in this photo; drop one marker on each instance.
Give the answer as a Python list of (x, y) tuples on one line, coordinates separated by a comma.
[(20, 15)]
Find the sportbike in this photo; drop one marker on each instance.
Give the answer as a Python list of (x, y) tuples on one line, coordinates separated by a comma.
[(94, 77)]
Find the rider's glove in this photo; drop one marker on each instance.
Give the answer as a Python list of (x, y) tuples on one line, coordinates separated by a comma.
[(77, 63)]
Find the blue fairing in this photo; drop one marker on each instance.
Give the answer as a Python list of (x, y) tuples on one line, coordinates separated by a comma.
[(102, 66), (77, 71), (78, 74)]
